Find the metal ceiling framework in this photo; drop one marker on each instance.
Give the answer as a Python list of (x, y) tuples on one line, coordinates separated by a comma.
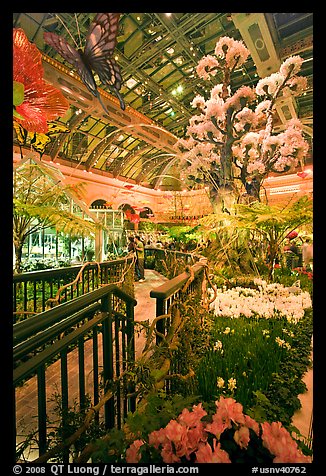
[(158, 54)]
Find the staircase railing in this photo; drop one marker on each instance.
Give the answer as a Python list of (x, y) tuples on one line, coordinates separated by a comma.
[(55, 342), (35, 291)]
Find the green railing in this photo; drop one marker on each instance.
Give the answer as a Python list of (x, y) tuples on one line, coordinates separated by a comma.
[(54, 347), (175, 292), (168, 262), (36, 291)]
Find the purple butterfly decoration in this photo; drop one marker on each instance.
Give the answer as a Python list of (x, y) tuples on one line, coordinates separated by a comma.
[(101, 40)]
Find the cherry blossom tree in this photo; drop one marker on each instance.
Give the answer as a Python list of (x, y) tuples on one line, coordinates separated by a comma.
[(230, 144)]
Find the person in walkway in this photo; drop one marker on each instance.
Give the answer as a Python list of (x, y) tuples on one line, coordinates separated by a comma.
[(132, 249), (140, 263), (307, 254), (131, 244)]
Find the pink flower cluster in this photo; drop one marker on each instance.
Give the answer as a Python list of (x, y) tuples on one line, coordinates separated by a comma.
[(187, 436), (235, 52), (279, 442)]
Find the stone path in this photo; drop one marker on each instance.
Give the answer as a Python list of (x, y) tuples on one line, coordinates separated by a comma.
[(302, 418)]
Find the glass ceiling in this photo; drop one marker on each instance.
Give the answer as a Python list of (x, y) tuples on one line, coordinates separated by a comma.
[(157, 54)]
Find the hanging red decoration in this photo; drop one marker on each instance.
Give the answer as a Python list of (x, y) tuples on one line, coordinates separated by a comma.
[(135, 218), (128, 186), (292, 235), (302, 174), (35, 102), (132, 217)]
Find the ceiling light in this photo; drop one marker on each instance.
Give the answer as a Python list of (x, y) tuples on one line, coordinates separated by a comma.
[(131, 83), (168, 14), (180, 89), (170, 51)]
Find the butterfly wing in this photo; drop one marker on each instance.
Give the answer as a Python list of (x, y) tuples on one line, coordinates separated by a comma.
[(21, 133), (100, 43), (55, 128), (39, 141), (74, 57)]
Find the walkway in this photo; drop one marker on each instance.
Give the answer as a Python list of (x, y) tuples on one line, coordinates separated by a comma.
[(146, 306), (302, 418)]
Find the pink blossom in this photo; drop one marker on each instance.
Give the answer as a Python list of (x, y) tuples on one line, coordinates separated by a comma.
[(157, 437), (132, 453), (295, 86), (242, 437), (245, 116), (251, 423), (291, 65), (253, 153), (198, 102), (218, 425), (228, 408), (252, 138), (279, 442), (195, 437), (168, 455), (263, 106), (269, 85), (234, 51), (215, 108), (191, 419), (175, 432), (217, 90), (205, 454), (207, 66), (245, 93)]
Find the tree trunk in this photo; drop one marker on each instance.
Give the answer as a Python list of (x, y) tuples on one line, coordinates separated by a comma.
[(223, 199), (18, 257)]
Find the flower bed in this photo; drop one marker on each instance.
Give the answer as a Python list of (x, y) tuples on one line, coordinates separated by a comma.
[(266, 301), (226, 436)]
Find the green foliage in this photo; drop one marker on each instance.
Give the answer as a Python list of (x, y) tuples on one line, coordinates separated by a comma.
[(251, 239), (148, 227), (41, 200), (281, 398), (184, 234), (70, 420)]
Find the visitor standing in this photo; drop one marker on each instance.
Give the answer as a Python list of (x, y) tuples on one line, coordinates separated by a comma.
[(132, 249), (307, 254), (131, 244), (140, 251)]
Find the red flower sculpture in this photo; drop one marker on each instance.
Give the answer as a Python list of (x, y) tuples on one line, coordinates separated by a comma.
[(38, 101), (292, 235), (132, 217)]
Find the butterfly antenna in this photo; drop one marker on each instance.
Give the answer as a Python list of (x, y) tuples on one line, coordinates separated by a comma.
[(77, 24), (67, 29)]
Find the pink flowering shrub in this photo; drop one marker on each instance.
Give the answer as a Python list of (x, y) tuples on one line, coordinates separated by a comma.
[(227, 436)]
